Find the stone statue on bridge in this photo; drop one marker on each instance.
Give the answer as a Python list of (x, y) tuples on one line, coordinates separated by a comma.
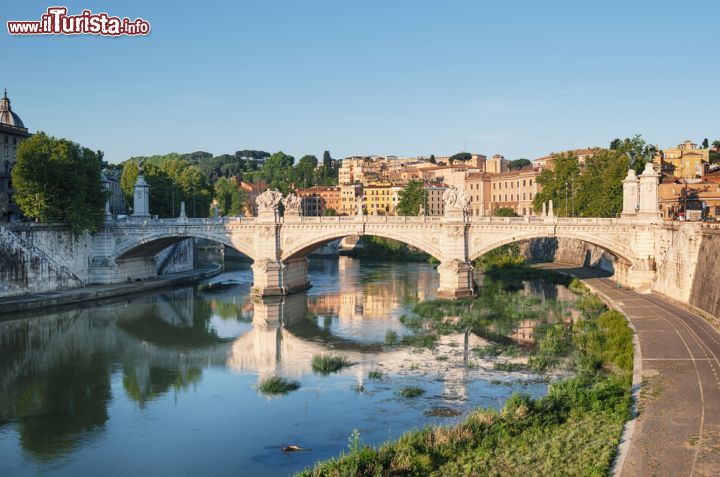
[(267, 203), (293, 206), (457, 204)]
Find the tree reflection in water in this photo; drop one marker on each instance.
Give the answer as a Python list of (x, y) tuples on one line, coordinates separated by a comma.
[(59, 369)]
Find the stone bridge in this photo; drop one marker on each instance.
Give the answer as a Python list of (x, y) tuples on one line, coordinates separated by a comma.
[(650, 253)]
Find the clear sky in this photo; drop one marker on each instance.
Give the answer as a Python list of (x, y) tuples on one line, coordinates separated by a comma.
[(520, 78)]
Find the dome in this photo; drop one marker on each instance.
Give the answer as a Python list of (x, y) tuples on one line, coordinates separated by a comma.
[(7, 117)]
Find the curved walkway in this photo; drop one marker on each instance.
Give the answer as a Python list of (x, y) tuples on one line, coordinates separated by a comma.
[(677, 431)]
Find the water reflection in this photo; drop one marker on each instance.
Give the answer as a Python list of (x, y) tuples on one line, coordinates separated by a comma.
[(88, 379)]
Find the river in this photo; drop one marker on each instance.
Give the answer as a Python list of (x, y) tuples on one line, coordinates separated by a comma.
[(165, 383)]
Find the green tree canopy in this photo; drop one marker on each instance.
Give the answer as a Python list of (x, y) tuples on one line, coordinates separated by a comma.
[(277, 171), (411, 199), (231, 199), (518, 164), (460, 156), (170, 183), (557, 183), (304, 172), (57, 180), (505, 212)]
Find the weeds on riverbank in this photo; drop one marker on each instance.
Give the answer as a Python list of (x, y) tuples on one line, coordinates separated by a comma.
[(275, 385), (576, 427), (328, 363)]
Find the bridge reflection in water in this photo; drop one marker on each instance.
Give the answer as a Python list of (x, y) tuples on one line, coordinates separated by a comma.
[(60, 373)]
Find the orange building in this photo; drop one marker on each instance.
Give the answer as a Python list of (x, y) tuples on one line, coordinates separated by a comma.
[(317, 199)]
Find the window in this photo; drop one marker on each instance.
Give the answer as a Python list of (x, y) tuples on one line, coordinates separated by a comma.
[(6, 139), (14, 140), (523, 182), (530, 181), (14, 151), (7, 150)]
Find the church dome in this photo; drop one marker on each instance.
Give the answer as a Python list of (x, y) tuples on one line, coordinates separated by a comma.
[(7, 117)]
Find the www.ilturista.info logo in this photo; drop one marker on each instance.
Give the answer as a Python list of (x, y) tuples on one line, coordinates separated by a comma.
[(57, 22)]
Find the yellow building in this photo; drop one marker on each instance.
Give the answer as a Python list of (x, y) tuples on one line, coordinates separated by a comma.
[(380, 198), (682, 162)]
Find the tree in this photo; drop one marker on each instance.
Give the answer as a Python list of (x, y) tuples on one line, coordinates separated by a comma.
[(460, 156), (518, 164), (505, 212), (598, 191), (277, 171), (432, 159), (716, 144), (304, 171), (557, 183), (705, 143), (411, 198), (231, 199), (170, 183), (57, 180), (330, 212), (615, 143)]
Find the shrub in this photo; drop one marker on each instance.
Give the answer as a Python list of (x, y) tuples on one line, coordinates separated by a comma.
[(375, 374), (276, 385), (328, 363), (391, 337), (411, 392)]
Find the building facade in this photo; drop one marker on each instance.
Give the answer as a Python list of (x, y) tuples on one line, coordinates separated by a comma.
[(317, 200), (12, 133), (682, 162), (695, 199), (514, 190)]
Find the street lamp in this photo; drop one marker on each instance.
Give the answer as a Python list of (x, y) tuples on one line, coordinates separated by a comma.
[(566, 199), (194, 214), (572, 184)]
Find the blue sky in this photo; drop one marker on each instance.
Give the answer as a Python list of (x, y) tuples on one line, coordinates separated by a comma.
[(521, 78)]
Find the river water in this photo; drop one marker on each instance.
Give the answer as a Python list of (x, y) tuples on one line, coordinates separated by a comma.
[(166, 383)]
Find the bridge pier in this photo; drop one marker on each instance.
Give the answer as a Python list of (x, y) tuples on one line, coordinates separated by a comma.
[(296, 274), (456, 279)]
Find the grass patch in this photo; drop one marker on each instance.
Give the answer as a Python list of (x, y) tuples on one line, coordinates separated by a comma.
[(275, 385), (574, 429), (391, 337), (411, 392), (329, 363), (509, 367), (375, 374)]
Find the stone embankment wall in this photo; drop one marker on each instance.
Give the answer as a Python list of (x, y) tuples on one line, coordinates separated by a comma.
[(574, 252), (42, 258), (688, 265), (32, 260)]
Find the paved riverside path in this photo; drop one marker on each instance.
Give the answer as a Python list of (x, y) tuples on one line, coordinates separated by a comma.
[(677, 432)]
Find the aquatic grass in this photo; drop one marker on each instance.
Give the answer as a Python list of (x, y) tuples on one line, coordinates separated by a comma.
[(391, 337), (420, 340), (375, 374), (276, 385), (509, 367), (411, 392), (329, 363)]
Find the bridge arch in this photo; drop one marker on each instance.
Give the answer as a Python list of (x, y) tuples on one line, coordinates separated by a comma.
[(618, 249), (304, 246), (149, 245)]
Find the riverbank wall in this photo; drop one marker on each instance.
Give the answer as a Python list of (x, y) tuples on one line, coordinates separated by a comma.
[(687, 267), (39, 258)]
